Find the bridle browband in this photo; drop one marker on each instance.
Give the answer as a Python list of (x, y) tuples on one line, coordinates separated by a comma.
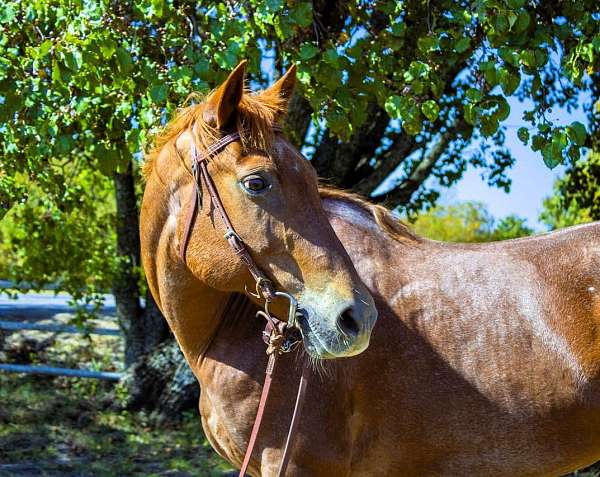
[(277, 334)]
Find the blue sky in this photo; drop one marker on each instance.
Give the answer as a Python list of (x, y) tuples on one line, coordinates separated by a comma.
[(532, 181)]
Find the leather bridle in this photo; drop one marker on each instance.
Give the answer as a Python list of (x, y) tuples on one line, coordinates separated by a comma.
[(278, 335)]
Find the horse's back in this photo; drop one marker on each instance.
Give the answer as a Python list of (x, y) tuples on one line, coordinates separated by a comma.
[(567, 264), (499, 353)]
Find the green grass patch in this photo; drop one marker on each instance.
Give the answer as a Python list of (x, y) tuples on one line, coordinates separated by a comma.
[(74, 427)]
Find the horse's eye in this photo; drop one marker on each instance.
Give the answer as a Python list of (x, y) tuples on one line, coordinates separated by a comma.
[(254, 183)]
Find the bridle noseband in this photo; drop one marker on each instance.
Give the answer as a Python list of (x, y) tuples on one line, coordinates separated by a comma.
[(277, 335)]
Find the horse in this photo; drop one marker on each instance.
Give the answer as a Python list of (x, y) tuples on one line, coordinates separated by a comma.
[(429, 358)]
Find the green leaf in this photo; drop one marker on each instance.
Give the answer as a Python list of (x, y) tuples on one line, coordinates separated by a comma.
[(158, 7), (303, 77), (227, 60), (577, 133), (541, 57), (538, 142), (427, 44), (398, 29), (44, 48), (523, 135), (474, 95), (124, 60), (73, 60), (515, 4), (7, 13), (489, 126), (510, 55), (107, 48), (503, 110), (56, 73), (462, 45), (392, 106), (528, 58), (501, 23), (552, 154), (308, 51), (331, 57), (574, 152), (471, 113), (302, 14), (509, 80), (512, 19), (491, 77), (158, 93), (417, 70), (274, 5), (430, 109), (522, 21), (202, 67)]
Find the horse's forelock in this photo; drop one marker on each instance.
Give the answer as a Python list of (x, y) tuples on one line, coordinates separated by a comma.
[(257, 113)]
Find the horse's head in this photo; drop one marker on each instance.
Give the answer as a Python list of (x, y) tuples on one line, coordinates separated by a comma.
[(269, 192)]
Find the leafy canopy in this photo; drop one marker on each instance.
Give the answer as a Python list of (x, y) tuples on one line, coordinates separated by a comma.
[(86, 80), (576, 197)]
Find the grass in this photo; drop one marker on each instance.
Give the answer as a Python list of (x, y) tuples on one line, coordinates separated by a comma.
[(57, 426)]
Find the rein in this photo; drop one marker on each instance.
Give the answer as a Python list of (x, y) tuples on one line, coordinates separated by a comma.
[(278, 334)]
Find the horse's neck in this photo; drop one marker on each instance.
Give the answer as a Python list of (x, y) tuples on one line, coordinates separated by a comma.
[(191, 308), (370, 248)]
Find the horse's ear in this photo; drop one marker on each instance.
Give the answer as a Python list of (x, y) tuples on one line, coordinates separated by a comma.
[(222, 104), (284, 86)]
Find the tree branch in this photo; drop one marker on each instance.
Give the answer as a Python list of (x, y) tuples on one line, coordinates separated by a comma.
[(402, 146), (402, 193), (338, 161)]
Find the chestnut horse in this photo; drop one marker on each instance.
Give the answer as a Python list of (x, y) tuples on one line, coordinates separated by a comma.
[(485, 360)]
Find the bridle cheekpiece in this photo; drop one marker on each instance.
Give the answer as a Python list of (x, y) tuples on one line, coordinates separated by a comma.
[(278, 335)]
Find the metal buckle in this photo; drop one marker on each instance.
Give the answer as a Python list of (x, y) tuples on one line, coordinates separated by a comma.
[(231, 233)]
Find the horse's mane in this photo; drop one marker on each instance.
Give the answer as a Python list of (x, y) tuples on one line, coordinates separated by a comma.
[(256, 115), (384, 219)]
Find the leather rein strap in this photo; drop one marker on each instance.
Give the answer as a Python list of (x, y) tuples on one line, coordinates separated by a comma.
[(276, 331)]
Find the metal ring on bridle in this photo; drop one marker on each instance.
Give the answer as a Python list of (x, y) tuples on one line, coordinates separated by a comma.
[(291, 322)]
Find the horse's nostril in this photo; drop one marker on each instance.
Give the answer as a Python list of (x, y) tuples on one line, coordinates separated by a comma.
[(347, 322)]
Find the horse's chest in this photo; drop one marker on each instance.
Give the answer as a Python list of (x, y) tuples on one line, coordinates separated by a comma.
[(225, 424)]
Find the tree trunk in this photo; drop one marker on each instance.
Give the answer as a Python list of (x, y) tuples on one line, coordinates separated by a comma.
[(144, 328), (163, 383)]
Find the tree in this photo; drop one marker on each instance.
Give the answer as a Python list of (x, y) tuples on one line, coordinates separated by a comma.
[(468, 222), (462, 222), (386, 88), (576, 197), (67, 243), (511, 227)]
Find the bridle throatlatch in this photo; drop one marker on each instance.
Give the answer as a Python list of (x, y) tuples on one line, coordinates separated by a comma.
[(280, 337)]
